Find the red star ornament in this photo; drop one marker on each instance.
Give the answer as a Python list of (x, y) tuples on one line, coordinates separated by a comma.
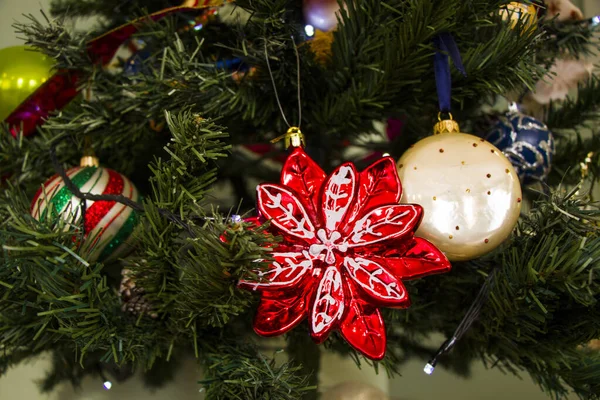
[(347, 245)]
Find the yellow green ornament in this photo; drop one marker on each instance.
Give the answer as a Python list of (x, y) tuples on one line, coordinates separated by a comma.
[(22, 71)]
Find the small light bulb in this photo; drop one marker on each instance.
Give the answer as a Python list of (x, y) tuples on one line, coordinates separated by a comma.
[(198, 27), (596, 20), (20, 82), (32, 83), (107, 385), (386, 155), (429, 369), (310, 30)]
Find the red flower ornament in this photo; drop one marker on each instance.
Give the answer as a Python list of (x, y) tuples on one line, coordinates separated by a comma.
[(347, 245)]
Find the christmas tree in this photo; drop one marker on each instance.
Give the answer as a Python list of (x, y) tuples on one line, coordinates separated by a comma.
[(132, 235)]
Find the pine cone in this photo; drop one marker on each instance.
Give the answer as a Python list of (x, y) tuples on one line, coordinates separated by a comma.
[(132, 297)]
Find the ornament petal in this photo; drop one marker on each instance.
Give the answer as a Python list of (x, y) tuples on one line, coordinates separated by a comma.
[(384, 288), (277, 315), (385, 223), (286, 271), (328, 306), (301, 174), (339, 192), (364, 329), (285, 211), (422, 259), (378, 185)]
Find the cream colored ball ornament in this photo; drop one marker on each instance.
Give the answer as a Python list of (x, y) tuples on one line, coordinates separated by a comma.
[(469, 191)]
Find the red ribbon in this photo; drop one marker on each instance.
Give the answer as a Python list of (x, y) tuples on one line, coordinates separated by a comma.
[(61, 88)]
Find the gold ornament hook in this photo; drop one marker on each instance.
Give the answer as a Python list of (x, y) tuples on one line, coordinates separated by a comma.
[(293, 137), (89, 158), (446, 125)]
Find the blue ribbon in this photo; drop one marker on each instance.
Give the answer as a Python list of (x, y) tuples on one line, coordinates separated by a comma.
[(233, 63), (445, 46)]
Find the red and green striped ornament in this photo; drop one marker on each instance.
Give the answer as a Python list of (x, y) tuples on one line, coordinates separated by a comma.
[(108, 225)]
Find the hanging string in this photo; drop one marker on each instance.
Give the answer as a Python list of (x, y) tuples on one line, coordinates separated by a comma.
[(470, 317), (298, 84), (275, 85), (445, 47)]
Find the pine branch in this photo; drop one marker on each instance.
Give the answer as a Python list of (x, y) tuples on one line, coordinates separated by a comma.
[(239, 372), (572, 38)]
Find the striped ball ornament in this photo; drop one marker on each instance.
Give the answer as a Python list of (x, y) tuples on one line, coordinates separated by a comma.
[(108, 225)]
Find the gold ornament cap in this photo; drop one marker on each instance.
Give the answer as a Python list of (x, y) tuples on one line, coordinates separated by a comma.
[(293, 137), (89, 158), (446, 125), (89, 161)]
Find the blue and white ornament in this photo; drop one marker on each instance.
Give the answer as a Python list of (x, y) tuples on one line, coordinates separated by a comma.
[(527, 143)]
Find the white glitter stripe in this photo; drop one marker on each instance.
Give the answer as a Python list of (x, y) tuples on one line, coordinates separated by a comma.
[(41, 202)]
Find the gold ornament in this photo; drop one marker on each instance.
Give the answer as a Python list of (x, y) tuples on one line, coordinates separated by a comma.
[(594, 345), (469, 191), (515, 11), (320, 45)]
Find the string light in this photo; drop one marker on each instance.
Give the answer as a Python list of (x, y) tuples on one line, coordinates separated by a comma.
[(429, 369), (107, 385), (470, 317), (309, 30)]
